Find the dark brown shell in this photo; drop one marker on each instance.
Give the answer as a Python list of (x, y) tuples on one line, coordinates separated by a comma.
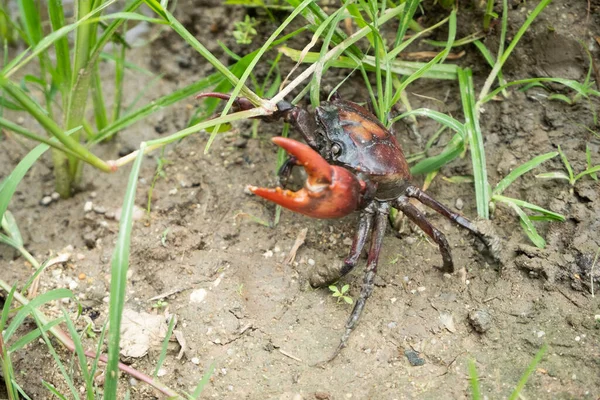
[(367, 146)]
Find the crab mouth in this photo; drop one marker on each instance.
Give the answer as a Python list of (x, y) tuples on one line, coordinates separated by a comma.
[(329, 191)]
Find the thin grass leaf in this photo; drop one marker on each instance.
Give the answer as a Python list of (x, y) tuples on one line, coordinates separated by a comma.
[(503, 55), (30, 135), (21, 391), (332, 22), (165, 345), (11, 228), (453, 150), (28, 309), (571, 84), (521, 203), (9, 185), (26, 56), (561, 97), (61, 47), (118, 282), (474, 381), (520, 170), (588, 160), (6, 309), (52, 351), (482, 189), (33, 335), (588, 171), (51, 126), (400, 67), (94, 365), (459, 179), (240, 85), (528, 227), (80, 352), (565, 161), (554, 175), (53, 390), (437, 116), (203, 381), (530, 369)]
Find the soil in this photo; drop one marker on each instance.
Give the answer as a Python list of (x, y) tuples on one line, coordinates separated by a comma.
[(242, 309)]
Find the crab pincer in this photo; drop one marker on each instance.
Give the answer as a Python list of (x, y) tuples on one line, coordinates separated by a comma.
[(329, 192)]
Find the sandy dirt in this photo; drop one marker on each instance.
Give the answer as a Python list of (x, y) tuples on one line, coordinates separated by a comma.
[(255, 318)]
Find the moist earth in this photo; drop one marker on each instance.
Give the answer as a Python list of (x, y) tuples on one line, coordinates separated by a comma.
[(248, 311)]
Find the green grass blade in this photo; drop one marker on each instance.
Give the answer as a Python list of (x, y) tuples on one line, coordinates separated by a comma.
[(589, 171), (6, 309), (435, 60), (453, 150), (51, 126), (80, 352), (203, 381), (52, 351), (9, 185), (528, 227), (11, 228), (400, 67), (474, 381), (240, 85), (482, 189), (61, 46), (53, 390), (530, 369), (520, 170), (48, 41), (55, 294), (565, 161), (571, 84), (521, 203), (503, 56), (554, 175), (436, 116), (118, 282), (165, 346), (33, 335)]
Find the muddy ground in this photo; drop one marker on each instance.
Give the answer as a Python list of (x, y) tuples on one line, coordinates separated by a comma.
[(243, 309)]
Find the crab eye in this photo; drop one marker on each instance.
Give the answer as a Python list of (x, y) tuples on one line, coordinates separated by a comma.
[(336, 149)]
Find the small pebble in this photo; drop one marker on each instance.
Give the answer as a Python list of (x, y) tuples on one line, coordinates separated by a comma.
[(540, 334), (198, 296), (195, 360), (413, 358), (99, 210), (161, 372), (88, 206), (311, 261), (46, 200), (55, 196), (81, 276), (480, 320), (459, 204), (173, 191), (577, 338), (322, 396)]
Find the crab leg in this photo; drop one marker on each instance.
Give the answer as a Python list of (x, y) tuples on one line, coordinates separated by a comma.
[(419, 219), (329, 192), (382, 211)]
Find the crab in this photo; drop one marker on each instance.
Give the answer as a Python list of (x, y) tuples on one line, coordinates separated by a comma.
[(353, 163)]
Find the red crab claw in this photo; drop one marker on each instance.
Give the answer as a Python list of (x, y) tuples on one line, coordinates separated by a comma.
[(329, 192)]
